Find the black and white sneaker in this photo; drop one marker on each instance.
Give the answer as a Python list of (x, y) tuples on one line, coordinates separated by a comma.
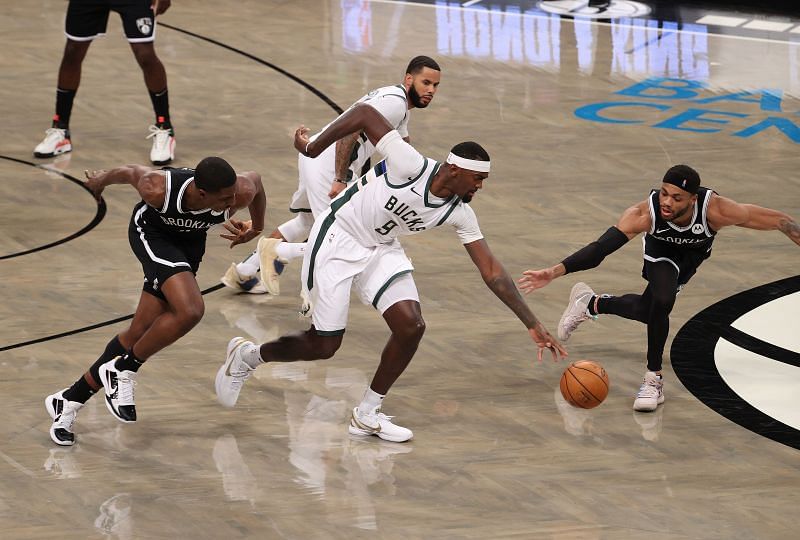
[(63, 413), (119, 387)]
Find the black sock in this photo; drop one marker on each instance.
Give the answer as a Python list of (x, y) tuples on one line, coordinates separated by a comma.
[(128, 362), (64, 100), (590, 307), (161, 108), (81, 390)]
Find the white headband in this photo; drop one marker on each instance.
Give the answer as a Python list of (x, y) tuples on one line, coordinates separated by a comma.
[(471, 164)]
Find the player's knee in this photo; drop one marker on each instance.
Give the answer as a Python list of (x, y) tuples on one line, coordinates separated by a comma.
[(146, 58), (190, 315), (413, 330), (663, 301), (327, 348), (74, 52)]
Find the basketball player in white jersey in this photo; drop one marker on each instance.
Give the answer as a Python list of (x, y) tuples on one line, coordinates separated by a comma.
[(680, 221), (323, 177), (354, 245)]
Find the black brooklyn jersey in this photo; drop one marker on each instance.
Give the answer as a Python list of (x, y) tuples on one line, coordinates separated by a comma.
[(172, 218), (696, 235)]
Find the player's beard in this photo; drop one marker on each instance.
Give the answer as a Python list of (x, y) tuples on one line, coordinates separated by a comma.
[(466, 198), (416, 100)]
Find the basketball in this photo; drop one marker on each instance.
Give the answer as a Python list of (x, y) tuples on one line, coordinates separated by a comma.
[(584, 384)]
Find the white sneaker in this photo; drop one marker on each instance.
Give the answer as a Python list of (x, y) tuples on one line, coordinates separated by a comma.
[(56, 141), (63, 413), (651, 393), (233, 373), (271, 265), (377, 423), (234, 280), (163, 150), (119, 387), (577, 310)]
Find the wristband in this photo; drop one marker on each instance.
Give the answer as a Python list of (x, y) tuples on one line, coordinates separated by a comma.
[(340, 181)]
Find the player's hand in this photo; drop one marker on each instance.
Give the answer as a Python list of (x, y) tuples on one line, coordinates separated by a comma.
[(301, 141), (544, 341), (535, 279), (240, 231), (160, 6), (336, 188), (93, 182)]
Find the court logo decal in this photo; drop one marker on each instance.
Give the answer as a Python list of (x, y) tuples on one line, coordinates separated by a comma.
[(603, 10), (741, 358)]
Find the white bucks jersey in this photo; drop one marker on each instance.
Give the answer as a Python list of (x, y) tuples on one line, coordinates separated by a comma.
[(392, 103), (393, 199)]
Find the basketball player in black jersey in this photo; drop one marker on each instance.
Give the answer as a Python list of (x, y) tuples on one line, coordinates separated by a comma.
[(679, 221), (87, 20), (167, 233)]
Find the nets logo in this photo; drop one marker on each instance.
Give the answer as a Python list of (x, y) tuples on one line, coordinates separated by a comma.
[(145, 24), (740, 358), (595, 10)]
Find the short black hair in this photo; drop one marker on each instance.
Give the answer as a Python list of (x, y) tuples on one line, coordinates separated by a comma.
[(470, 150), (213, 174), (684, 177), (419, 62)]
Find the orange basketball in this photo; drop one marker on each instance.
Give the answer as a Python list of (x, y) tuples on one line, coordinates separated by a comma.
[(584, 384)]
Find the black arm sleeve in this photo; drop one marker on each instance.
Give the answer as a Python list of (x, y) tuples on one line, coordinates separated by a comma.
[(594, 253)]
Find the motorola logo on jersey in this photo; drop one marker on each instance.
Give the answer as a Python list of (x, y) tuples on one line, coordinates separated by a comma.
[(595, 10), (741, 358), (698, 228)]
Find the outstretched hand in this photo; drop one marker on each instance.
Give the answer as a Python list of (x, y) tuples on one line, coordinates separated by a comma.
[(544, 340), (93, 183), (301, 141), (240, 231), (535, 279)]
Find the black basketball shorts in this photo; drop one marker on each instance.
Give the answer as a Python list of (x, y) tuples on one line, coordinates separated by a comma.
[(162, 255), (87, 19), (685, 261)]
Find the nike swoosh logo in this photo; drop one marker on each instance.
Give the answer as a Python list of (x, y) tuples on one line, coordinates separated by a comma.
[(366, 427), (412, 189), (663, 230)]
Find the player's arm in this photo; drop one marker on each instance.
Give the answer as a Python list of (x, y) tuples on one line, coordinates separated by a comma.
[(250, 194), (360, 117), (633, 221), (723, 212), (501, 284), (344, 151), (137, 176), (160, 6)]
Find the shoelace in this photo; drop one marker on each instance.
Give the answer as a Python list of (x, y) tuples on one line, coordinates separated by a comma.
[(53, 133), (67, 418), (161, 135), (648, 391), (238, 377), (125, 387)]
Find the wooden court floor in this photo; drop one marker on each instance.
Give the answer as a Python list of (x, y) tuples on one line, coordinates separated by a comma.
[(497, 453)]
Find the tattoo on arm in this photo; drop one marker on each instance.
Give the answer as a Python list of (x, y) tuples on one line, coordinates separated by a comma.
[(790, 228), (504, 288)]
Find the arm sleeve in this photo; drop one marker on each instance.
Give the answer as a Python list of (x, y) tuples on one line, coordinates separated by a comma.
[(402, 160), (465, 222), (593, 254)]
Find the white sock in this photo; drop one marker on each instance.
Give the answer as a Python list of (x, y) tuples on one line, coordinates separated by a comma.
[(372, 400), (290, 250), (249, 266), (251, 355)]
